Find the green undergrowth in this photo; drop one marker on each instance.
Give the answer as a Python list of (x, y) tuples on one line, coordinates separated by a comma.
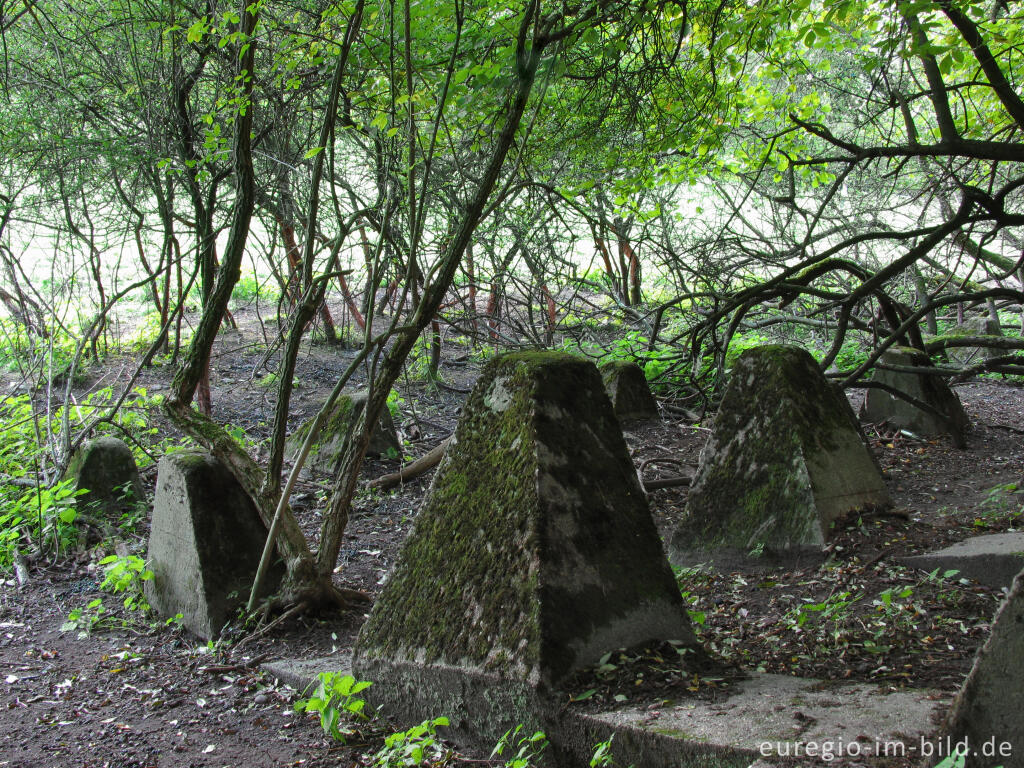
[(334, 700)]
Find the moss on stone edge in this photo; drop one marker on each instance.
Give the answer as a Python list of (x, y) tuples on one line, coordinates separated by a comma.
[(473, 616), (753, 491), (522, 418)]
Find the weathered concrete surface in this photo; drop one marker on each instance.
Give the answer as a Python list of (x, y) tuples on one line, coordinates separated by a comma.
[(301, 674), (533, 555), (768, 717), (106, 469), (325, 454), (628, 390), (993, 560), (785, 460), (946, 417), (990, 707), (974, 326), (205, 542)]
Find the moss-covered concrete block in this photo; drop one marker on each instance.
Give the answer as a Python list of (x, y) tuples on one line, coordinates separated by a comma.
[(946, 417), (627, 388), (105, 469), (974, 326), (205, 543), (533, 555), (785, 460), (325, 454)]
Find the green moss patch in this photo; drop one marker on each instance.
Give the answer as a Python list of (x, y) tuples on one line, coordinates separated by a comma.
[(534, 552)]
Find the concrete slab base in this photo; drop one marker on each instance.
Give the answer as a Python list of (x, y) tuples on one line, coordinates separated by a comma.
[(993, 560), (768, 718), (771, 717), (301, 674)]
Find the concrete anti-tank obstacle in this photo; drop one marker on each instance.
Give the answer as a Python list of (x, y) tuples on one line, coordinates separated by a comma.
[(325, 453), (205, 542), (938, 410), (105, 468), (785, 461), (533, 555), (628, 390)]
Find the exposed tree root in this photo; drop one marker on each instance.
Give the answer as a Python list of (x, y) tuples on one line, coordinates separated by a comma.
[(323, 596)]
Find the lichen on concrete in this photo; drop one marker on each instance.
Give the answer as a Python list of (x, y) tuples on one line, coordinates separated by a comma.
[(534, 552), (786, 459)]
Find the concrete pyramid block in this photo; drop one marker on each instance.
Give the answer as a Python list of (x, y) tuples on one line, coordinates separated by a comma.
[(785, 460), (986, 717), (533, 555), (205, 542), (627, 388), (946, 417), (325, 454), (977, 326), (105, 468)]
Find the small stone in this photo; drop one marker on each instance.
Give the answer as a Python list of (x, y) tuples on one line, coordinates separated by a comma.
[(260, 699)]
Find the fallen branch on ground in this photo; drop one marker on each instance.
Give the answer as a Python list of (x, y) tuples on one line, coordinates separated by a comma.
[(414, 469)]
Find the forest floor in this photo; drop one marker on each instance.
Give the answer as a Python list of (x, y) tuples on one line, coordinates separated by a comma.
[(130, 693)]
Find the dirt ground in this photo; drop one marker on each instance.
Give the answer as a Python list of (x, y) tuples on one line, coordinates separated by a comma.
[(140, 695)]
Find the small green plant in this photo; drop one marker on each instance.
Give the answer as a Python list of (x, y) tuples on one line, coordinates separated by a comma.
[(45, 515), (834, 607), (126, 575), (334, 697), (395, 402), (86, 620), (412, 747), (693, 582), (1003, 502), (603, 757), (527, 748)]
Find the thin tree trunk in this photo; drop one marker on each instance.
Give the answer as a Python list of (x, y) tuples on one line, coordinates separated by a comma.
[(336, 518)]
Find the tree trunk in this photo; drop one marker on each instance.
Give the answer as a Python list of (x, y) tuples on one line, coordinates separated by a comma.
[(336, 519)]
